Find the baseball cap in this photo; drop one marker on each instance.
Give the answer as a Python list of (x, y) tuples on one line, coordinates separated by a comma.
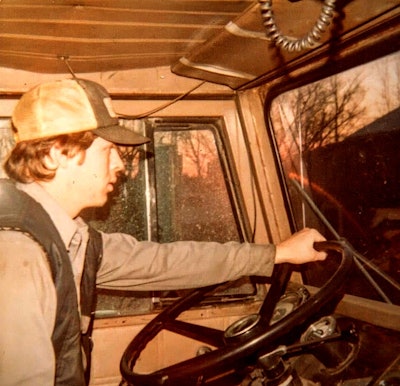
[(70, 106)]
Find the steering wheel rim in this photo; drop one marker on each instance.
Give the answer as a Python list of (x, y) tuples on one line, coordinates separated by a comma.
[(262, 337)]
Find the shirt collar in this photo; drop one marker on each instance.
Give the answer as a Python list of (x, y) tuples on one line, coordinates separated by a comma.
[(65, 225)]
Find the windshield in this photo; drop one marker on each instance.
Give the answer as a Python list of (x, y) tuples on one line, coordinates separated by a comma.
[(338, 142)]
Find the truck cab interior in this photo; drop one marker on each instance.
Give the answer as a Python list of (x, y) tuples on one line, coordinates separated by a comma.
[(265, 117)]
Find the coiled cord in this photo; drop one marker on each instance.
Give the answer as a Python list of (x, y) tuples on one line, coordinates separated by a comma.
[(293, 44)]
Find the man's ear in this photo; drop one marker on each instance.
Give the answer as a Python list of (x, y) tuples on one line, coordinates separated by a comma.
[(56, 158)]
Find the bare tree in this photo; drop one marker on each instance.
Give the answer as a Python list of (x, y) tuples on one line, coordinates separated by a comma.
[(198, 147), (322, 112)]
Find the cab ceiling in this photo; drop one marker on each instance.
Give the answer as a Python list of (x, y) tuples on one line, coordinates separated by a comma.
[(221, 41)]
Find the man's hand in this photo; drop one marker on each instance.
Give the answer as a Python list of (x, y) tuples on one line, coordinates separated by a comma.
[(299, 248)]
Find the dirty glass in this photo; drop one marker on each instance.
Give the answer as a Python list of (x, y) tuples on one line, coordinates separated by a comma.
[(339, 141), (192, 196)]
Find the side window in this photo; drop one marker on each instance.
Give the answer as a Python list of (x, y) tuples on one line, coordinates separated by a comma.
[(181, 186), (193, 201), (338, 142)]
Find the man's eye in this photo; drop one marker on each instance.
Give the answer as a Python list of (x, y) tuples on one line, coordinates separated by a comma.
[(113, 147)]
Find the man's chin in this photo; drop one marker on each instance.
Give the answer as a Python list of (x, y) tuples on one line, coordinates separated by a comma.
[(99, 203)]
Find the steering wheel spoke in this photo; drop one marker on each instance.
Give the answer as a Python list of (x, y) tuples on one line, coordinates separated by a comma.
[(203, 334)]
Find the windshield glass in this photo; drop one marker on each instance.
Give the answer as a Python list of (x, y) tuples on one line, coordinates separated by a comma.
[(338, 141)]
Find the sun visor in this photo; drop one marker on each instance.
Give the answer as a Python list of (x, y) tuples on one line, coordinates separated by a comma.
[(240, 53)]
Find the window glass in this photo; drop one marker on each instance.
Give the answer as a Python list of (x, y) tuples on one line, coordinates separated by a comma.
[(338, 142), (192, 196)]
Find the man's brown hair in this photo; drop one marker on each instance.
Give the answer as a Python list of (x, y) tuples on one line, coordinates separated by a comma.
[(27, 161)]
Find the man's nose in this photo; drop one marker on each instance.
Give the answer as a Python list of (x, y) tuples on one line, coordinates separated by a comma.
[(116, 161)]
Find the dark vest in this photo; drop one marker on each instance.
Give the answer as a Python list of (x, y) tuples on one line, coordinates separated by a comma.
[(18, 211)]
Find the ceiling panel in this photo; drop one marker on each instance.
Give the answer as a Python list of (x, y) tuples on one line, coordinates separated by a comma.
[(107, 35)]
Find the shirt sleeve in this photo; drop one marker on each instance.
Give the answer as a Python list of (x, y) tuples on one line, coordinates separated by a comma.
[(142, 265), (28, 307)]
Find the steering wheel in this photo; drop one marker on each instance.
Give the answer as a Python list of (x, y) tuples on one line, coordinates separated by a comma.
[(248, 337)]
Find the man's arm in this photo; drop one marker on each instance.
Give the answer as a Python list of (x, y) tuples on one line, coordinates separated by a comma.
[(141, 265)]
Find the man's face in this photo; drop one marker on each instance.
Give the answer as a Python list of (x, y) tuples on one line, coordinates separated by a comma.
[(94, 178)]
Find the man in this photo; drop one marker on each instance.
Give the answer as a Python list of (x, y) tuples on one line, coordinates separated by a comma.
[(66, 160)]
